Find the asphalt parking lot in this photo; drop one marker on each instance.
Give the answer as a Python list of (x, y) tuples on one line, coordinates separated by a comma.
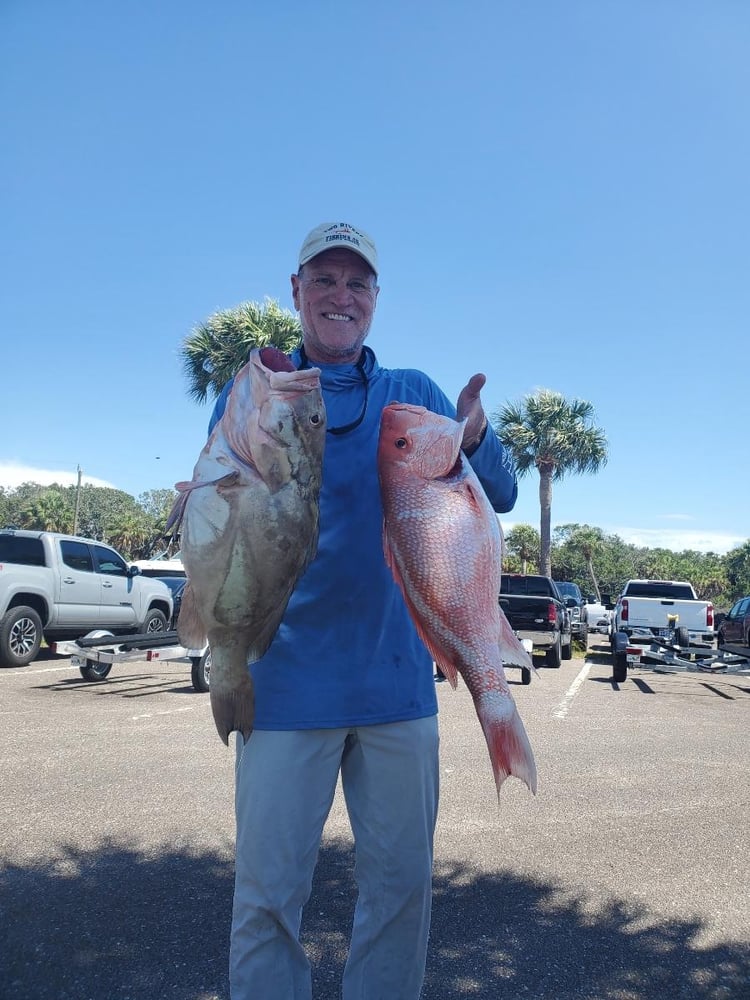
[(625, 878)]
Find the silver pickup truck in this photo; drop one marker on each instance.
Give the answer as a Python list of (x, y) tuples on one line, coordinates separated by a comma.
[(55, 586)]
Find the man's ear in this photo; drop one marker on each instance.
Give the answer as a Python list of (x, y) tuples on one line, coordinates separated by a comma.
[(295, 291)]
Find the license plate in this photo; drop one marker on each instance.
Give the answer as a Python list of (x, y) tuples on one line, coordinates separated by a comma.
[(634, 658), (77, 661)]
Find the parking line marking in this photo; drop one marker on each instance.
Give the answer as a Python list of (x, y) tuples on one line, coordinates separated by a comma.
[(168, 711), (562, 709)]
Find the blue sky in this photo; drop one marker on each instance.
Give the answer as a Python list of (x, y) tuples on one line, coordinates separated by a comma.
[(558, 191)]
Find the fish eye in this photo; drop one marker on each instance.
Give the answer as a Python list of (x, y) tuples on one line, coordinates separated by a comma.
[(315, 419), (401, 442)]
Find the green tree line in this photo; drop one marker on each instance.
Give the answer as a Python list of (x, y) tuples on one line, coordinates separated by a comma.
[(598, 562), (136, 528)]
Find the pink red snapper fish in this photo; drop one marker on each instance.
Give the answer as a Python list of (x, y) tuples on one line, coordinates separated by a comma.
[(443, 544), (249, 524)]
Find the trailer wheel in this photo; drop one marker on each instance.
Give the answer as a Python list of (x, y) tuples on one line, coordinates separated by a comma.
[(525, 675), (682, 636), (620, 667), (94, 671), (20, 637), (201, 670)]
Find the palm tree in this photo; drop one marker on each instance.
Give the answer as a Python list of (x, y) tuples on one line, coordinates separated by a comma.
[(523, 542), (218, 347), (555, 436), (589, 541), (48, 511), (130, 535)]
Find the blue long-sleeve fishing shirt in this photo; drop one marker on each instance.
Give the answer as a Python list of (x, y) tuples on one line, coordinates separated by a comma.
[(346, 652)]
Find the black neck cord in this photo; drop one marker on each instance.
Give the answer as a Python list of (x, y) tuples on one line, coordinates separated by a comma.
[(345, 428)]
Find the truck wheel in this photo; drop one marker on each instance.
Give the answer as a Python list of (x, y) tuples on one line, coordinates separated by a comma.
[(20, 637), (202, 669), (620, 667), (525, 675), (94, 671), (156, 621), (553, 656)]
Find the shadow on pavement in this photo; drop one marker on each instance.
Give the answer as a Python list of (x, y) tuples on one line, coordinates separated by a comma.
[(114, 923)]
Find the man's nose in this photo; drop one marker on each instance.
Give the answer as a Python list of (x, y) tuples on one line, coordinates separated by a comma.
[(341, 293)]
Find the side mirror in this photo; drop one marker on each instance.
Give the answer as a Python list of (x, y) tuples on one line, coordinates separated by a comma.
[(134, 570)]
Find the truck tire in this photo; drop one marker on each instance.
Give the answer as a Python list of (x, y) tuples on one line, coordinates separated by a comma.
[(93, 671), (20, 637), (567, 651), (682, 637), (201, 670), (620, 667), (525, 675), (553, 656), (156, 621)]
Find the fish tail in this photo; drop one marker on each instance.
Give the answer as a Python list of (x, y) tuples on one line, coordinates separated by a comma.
[(231, 689), (507, 742), (233, 710)]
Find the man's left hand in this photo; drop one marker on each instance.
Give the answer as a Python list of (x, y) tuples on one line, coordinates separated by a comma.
[(469, 407)]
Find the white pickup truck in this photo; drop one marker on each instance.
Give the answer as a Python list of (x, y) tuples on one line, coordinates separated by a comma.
[(56, 586), (649, 608)]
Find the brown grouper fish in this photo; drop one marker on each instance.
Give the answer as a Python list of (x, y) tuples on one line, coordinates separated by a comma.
[(443, 543), (249, 524)]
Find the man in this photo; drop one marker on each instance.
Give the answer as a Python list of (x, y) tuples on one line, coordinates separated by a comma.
[(347, 686)]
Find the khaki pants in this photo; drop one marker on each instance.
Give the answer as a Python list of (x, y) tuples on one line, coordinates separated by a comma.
[(285, 786)]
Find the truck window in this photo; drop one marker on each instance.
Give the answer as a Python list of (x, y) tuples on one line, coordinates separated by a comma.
[(77, 556), (22, 551), (108, 561), (666, 591)]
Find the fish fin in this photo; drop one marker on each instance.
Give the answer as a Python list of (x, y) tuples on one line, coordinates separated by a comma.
[(512, 651), (437, 654), (226, 482), (177, 512), (443, 665), (508, 744), (185, 488), (190, 628)]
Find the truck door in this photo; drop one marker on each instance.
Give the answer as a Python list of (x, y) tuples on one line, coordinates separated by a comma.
[(734, 622), (80, 586), (117, 589)]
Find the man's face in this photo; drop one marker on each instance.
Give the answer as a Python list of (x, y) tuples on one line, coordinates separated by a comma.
[(335, 296)]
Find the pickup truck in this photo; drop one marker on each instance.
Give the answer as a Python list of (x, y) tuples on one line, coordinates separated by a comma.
[(55, 586), (576, 605), (647, 608), (536, 611)]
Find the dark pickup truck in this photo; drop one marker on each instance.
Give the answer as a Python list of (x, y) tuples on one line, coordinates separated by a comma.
[(536, 611)]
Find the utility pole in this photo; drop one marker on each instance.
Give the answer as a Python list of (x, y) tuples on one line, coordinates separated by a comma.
[(78, 501)]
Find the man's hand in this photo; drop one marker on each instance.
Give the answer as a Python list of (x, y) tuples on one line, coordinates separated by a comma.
[(469, 407)]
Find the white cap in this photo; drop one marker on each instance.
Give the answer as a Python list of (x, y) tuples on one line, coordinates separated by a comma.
[(328, 235)]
